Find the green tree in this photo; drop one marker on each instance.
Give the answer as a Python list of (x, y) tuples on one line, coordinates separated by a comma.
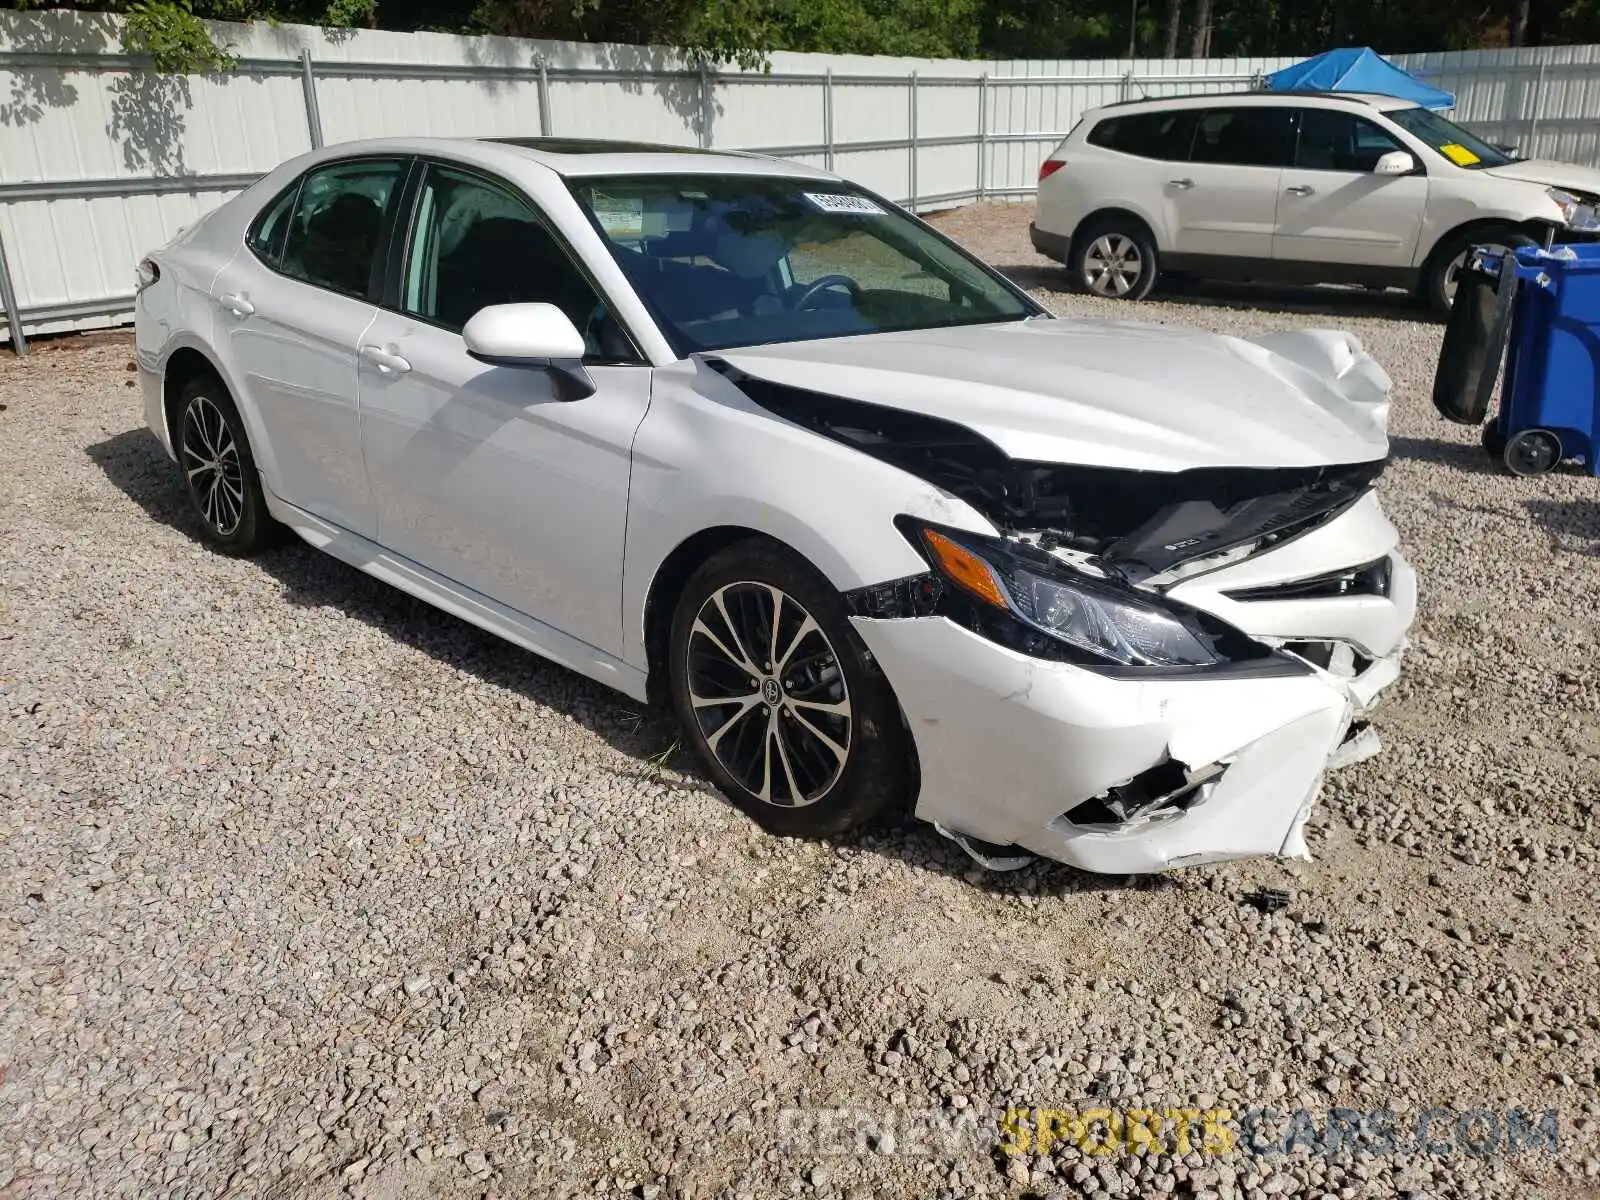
[(173, 33)]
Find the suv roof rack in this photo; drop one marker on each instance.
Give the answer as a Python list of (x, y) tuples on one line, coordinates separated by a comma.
[(1353, 97)]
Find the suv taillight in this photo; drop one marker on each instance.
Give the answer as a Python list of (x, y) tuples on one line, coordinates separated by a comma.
[(1049, 167)]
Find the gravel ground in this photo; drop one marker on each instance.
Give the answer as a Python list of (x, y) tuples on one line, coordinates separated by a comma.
[(310, 889)]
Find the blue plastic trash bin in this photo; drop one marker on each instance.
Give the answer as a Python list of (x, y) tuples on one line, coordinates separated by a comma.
[(1550, 398)]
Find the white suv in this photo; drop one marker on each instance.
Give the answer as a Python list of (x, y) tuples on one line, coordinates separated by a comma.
[(1292, 187)]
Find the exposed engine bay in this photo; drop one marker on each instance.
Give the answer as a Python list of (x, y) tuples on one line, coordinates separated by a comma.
[(1146, 527)]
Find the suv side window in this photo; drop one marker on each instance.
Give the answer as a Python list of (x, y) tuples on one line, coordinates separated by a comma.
[(1333, 140), (333, 238), (474, 243), (1260, 135), (1163, 135)]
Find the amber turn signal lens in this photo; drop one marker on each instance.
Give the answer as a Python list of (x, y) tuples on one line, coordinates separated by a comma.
[(961, 566)]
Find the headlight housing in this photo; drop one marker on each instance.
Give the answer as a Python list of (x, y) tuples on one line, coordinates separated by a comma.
[(1574, 211), (1040, 606)]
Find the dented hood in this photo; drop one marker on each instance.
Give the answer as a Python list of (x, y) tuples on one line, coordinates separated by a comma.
[(1113, 394), (1551, 174)]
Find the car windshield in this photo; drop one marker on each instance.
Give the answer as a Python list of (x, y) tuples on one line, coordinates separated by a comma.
[(1450, 140), (730, 260)]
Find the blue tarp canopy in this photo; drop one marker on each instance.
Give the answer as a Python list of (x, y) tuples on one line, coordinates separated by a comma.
[(1357, 69)]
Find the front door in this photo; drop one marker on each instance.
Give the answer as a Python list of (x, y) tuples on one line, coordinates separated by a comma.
[(1335, 209), (481, 473)]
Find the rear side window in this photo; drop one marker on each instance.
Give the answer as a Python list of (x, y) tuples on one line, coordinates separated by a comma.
[(267, 231), (1163, 135), (335, 234), (1258, 136)]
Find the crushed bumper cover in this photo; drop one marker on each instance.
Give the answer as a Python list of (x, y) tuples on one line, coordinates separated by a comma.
[(1010, 746)]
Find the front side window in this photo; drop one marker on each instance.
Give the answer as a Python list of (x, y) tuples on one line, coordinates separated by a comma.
[(1257, 136), (725, 261), (1333, 140), (1163, 135), (1447, 139), (475, 243), (334, 237)]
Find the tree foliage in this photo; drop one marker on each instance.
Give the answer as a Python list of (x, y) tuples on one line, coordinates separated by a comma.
[(173, 34)]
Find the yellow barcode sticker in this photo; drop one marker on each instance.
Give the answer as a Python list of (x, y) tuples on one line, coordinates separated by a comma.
[(1460, 155)]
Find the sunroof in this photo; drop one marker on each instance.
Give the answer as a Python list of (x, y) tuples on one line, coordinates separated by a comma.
[(559, 145)]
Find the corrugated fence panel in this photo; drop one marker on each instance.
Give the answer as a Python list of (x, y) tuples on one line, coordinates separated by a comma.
[(100, 159), (747, 112), (668, 111), (80, 252)]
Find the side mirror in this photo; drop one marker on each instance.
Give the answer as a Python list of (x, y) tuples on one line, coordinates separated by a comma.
[(1396, 162), (536, 337)]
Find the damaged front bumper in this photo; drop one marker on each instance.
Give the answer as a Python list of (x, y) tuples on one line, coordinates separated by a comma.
[(1122, 774)]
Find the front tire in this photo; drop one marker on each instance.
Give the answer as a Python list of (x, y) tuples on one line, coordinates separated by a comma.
[(219, 471), (1114, 258), (775, 691), (1439, 282)]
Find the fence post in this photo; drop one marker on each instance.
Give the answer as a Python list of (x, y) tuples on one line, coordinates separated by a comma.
[(1127, 83), (1536, 105), (705, 108), (544, 99), (8, 299), (827, 118), (983, 134), (308, 84), (913, 141)]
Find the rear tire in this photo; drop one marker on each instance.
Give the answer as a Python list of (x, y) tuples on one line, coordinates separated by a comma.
[(219, 471), (775, 691), (1438, 281), (1114, 258)]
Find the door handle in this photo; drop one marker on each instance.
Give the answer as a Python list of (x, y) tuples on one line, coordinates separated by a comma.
[(387, 361), (1182, 185), (238, 305), (1301, 189)]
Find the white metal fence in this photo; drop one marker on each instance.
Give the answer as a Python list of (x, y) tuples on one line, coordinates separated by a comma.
[(101, 159)]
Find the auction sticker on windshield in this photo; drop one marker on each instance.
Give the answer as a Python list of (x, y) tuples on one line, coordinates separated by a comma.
[(1460, 155), (619, 216), (833, 202)]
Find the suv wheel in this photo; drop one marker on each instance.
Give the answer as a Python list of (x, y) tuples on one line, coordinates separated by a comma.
[(1114, 257), (1439, 282), (781, 701)]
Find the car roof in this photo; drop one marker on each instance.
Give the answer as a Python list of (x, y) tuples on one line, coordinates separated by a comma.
[(602, 156), (1316, 99), (581, 156)]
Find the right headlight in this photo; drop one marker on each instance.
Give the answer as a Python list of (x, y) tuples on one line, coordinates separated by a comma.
[(1574, 211), (1095, 622)]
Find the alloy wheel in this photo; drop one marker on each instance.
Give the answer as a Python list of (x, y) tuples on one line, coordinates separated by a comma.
[(211, 461), (1112, 265), (768, 694)]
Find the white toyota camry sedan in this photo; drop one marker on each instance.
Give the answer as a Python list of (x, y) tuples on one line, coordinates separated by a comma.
[(735, 435)]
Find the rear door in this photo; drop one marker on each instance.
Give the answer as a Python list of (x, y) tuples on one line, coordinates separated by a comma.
[(291, 308), (1224, 200), (1334, 209), (1156, 146)]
